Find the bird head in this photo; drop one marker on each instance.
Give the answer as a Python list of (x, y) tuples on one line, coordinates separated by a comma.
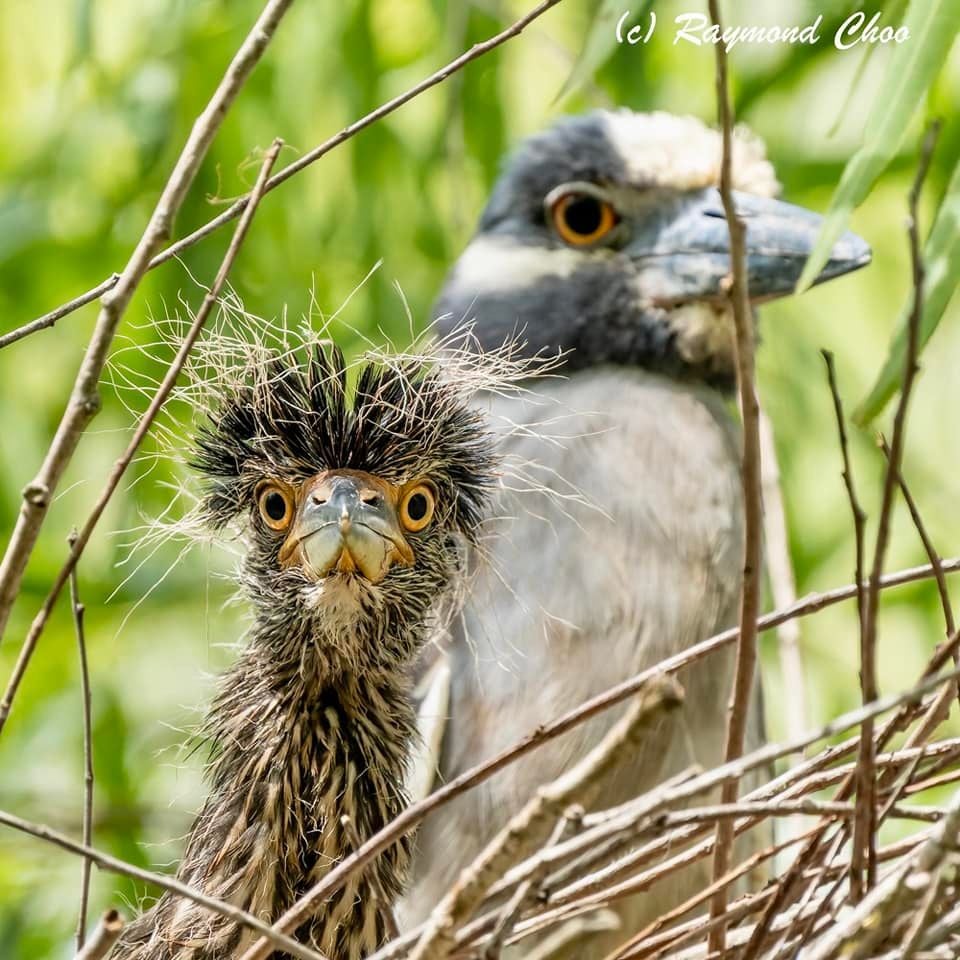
[(355, 500), (606, 237)]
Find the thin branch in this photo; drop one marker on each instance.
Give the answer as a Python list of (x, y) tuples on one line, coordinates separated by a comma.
[(512, 909), (141, 430), (84, 402), (746, 661), (171, 884), (623, 868), (105, 935), (714, 778), (871, 922), (88, 781), (735, 770), (701, 924), (923, 917), (786, 885), (547, 732), (859, 517), (628, 947), (864, 834), (235, 209), (639, 818), (859, 523), (940, 708), (533, 823), (932, 555), (49, 319)]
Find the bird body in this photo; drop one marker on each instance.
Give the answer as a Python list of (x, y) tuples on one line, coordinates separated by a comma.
[(356, 507), (297, 753), (576, 598), (605, 241)]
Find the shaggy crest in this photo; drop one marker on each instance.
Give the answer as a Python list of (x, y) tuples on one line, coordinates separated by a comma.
[(297, 415)]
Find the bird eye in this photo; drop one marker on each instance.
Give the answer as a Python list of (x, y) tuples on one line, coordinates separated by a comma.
[(276, 506), (416, 507), (581, 218)]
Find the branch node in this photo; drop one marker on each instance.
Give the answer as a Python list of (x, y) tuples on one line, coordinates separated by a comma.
[(36, 494)]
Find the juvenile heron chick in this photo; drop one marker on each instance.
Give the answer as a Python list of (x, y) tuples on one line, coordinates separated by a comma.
[(355, 505)]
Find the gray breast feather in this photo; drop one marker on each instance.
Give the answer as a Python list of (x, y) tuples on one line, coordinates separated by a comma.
[(630, 553)]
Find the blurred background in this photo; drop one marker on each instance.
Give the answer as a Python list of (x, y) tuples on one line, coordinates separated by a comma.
[(98, 97)]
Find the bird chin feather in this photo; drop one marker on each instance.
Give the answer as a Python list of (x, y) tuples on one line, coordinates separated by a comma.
[(704, 335), (338, 594), (342, 604)]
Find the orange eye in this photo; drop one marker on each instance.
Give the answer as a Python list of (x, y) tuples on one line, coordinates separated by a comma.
[(581, 218), (416, 507), (276, 506)]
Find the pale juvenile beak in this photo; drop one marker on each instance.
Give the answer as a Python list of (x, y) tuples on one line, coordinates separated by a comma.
[(346, 523)]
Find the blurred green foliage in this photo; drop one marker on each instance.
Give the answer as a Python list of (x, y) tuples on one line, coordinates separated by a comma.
[(98, 96)]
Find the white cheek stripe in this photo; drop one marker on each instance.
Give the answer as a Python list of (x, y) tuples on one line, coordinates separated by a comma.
[(494, 263)]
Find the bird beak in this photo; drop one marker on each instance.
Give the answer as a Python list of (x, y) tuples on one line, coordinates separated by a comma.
[(685, 253), (346, 523)]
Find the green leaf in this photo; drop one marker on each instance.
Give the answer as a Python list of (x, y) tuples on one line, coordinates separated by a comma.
[(933, 25), (942, 266), (893, 14), (600, 42)]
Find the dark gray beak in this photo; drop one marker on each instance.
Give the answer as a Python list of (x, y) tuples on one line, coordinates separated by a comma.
[(685, 254)]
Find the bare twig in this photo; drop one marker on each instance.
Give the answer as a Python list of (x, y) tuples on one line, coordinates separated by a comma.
[(923, 917), (859, 523), (546, 732), (864, 839), (738, 768), (141, 430), (84, 402), (88, 781), (531, 825), (103, 937), (511, 910), (859, 517), (746, 661), (788, 883), (664, 921), (113, 865), (635, 820), (864, 927), (379, 894), (932, 555), (939, 709), (934, 715), (49, 319), (235, 209), (710, 780)]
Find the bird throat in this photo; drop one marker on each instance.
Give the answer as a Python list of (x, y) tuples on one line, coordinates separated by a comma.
[(293, 754), (703, 337), (319, 752)]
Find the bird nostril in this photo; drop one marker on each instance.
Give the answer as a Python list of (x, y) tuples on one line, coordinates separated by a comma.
[(317, 499), (371, 499)]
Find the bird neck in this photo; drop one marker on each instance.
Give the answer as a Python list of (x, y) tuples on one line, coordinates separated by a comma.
[(341, 735), (595, 319), (296, 748)]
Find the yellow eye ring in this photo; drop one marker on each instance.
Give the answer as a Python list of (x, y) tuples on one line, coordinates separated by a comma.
[(275, 503), (581, 218), (416, 507)]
